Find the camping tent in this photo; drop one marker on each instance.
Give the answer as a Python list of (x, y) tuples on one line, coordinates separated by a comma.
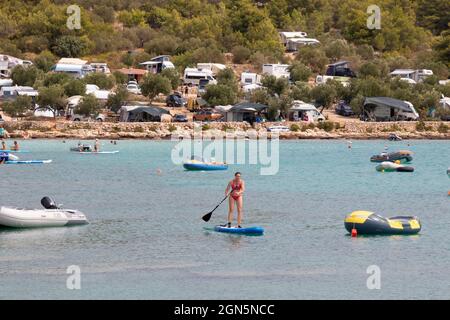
[(244, 111), (141, 113)]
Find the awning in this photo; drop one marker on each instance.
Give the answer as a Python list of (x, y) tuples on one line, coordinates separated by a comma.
[(248, 107), (153, 111), (388, 102)]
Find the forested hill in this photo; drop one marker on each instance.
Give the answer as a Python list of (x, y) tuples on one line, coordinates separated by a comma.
[(414, 33)]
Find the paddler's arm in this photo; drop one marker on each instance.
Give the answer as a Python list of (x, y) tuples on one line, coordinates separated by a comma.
[(242, 188), (228, 188)]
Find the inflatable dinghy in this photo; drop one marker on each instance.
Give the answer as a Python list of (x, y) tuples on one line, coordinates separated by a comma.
[(403, 156), (51, 216), (393, 167), (366, 222)]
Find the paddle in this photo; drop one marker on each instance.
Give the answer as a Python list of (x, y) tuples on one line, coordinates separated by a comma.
[(207, 216)]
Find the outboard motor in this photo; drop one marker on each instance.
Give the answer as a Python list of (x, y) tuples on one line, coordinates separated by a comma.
[(48, 203)]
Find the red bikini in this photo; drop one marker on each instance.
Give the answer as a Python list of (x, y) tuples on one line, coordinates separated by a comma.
[(235, 187)]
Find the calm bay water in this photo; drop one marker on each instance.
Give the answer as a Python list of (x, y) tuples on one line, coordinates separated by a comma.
[(146, 239)]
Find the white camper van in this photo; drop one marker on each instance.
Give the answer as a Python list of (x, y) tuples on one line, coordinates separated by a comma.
[(215, 68), (277, 70), (250, 78), (192, 76), (305, 111)]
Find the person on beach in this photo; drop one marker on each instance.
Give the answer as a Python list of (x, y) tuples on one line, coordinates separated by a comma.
[(237, 187), (96, 146)]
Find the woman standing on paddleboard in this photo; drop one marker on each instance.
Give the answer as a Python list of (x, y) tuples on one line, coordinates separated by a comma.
[(237, 187)]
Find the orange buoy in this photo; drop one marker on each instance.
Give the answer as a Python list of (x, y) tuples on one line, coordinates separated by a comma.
[(354, 233), (448, 193)]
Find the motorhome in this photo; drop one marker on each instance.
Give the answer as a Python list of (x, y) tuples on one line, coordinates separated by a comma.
[(11, 93), (215, 68), (301, 111), (295, 44), (412, 76), (158, 64), (7, 63), (340, 69), (387, 109), (321, 79), (4, 70), (6, 82), (287, 35), (250, 78), (277, 70), (100, 67), (192, 76), (74, 69)]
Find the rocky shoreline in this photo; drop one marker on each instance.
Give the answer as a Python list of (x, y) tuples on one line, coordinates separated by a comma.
[(158, 131)]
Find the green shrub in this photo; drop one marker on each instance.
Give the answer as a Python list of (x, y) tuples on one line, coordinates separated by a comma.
[(138, 129), (172, 128), (443, 128), (327, 126), (295, 127), (227, 127), (206, 127), (421, 126), (311, 126)]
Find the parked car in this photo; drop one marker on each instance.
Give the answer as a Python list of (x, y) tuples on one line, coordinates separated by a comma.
[(207, 115), (278, 129), (133, 88), (1, 118), (443, 118), (344, 109), (176, 100), (180, 118), (79, 117)]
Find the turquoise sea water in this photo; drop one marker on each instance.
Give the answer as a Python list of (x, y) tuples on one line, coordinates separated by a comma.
[(146, 239)]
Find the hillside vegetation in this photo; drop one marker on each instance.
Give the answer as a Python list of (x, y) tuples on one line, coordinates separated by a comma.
[(414, 34)]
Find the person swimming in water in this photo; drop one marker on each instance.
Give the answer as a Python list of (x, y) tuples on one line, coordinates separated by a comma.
[(15, 146), (237, 187), (3, 146)]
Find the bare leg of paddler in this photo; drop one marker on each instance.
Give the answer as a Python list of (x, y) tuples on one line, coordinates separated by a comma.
[(239, 210), (230, 210)]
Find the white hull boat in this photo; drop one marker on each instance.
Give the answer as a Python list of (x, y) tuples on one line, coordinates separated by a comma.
[(51, 216), (34, 218)]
